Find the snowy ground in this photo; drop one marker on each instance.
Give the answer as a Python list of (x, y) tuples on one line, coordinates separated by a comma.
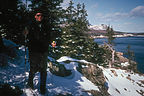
[(123, 83), (75, 84), (120, 82)]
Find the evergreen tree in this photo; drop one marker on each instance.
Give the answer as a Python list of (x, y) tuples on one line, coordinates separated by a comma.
[(130, 55), (80, 27), (66, 37), (16, 14), (11, 19), (76, 42), (110, 35)]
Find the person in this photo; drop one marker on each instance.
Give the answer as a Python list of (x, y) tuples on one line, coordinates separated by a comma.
[(39, 37)]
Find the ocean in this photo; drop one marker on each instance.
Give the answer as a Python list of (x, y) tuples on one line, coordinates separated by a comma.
[(136, 45)]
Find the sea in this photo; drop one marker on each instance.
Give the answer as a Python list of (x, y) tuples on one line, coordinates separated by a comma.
[(136, 45)]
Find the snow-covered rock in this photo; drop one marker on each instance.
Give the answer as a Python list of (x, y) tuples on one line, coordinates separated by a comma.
[(123, 83), (125, 64), (98, 27)]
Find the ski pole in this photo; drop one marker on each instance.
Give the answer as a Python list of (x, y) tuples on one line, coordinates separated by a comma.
[(25, 43)]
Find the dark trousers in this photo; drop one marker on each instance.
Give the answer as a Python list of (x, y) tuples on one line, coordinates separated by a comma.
[(38, 62)]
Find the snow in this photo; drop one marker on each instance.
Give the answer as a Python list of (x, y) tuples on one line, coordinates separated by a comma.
[(120, 82), (98, 27), (124, 82), (125, 64), (65, 58), (75, 84)]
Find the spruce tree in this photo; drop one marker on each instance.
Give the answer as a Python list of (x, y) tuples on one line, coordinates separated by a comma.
[(110, 35), (12, 19), (66, 38), (76, 42), (80, 28), (130, 55), (8, 18)]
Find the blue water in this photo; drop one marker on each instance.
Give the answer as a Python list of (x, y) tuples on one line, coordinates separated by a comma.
[(136, 45)]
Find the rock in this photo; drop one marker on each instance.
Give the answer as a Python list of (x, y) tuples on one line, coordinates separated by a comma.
[(114, 72), (121, 58), (95, 75), (59, 69)]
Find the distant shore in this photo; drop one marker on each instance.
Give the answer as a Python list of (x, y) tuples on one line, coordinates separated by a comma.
[(118, 36)]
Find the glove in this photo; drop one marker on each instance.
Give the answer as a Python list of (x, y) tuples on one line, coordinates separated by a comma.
[(53, 44)]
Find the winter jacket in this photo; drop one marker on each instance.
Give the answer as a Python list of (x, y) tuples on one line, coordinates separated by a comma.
[(39, 37)]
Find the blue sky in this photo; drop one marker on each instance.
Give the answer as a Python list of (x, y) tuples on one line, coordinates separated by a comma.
[(123, 15)]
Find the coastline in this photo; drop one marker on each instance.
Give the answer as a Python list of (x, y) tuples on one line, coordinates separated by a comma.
[(117, 36), (118, 60), (124, 62), (136, 43)]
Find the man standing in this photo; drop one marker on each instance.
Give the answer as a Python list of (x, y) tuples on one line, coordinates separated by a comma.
[(39, 38)]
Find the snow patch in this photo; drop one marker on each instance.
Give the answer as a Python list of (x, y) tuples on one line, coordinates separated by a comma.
[(122, 84), (125, 64)]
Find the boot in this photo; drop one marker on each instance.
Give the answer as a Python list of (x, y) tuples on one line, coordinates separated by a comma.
[(30, 84)]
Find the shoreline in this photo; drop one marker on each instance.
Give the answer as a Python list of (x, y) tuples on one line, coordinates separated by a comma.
[(121, 49), (101, 36)]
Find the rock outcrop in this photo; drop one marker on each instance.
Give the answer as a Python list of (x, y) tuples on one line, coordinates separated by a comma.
[(95, 75)]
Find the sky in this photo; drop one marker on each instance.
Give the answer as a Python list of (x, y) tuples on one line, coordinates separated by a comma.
[(122, 15)]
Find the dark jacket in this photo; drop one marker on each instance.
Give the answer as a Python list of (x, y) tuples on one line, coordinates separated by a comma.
[(39, 37)]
